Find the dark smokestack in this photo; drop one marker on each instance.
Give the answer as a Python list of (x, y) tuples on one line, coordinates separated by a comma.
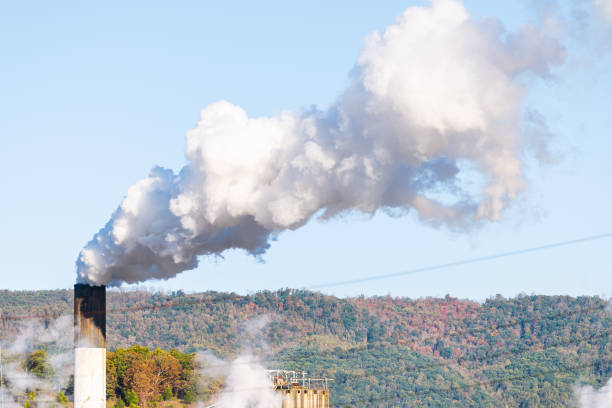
[(89, 316), (89, 343)]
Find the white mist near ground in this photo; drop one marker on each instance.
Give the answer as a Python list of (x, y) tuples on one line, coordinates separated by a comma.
[(588, 397), (57, 338), (247, 385), (434, 98)]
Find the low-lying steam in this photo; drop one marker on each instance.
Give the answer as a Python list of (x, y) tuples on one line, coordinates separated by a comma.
[(54, 336), (435, 93), (588, 397), (246, 383)]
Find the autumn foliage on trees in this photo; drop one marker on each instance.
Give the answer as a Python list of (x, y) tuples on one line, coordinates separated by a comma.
[(527, 351), (151, 375)]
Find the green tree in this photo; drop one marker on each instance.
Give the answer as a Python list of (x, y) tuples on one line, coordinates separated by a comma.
[(167, 394), (131, 398), (61, 398), (37, 364)]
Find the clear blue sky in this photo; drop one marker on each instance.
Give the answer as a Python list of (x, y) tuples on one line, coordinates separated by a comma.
[(92, 95)]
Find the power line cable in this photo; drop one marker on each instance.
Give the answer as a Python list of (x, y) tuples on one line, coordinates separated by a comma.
[(230, 297), (461, 262), (233, 297)]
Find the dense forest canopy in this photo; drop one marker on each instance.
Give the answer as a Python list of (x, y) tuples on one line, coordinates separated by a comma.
[(383, 352)]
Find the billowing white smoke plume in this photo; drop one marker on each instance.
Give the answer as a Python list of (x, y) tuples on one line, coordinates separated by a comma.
[(437, 91), (591, 398)]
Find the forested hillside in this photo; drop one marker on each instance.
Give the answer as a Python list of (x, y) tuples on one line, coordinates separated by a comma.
[(383, 352)]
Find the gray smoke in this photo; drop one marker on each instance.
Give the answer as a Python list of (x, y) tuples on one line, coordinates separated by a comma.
[(435, 94)]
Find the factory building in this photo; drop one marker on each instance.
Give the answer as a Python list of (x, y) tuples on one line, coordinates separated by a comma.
[(300, 391), (297, 390)]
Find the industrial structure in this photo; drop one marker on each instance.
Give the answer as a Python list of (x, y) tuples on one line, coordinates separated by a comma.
[(89, 346), (297, 390), (300, 391)]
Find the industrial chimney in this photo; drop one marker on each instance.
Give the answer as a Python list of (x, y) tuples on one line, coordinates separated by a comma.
[(89, 346)]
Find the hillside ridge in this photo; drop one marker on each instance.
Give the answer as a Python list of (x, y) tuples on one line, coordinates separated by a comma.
[(522, 351)]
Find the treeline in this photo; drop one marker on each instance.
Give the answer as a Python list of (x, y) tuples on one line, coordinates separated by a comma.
[(526, 351)]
